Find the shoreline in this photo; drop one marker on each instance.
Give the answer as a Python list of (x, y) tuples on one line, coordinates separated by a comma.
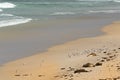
[(24, 40), (60, 62)]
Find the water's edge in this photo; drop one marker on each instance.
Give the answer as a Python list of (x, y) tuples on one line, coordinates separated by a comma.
[(36, 36)]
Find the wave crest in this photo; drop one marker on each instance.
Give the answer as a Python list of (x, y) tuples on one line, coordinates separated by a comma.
[(7, 5), (106, 11), (13, 22), (6, 15), (116, 1)]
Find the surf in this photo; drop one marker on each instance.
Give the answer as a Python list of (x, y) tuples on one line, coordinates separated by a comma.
[(7, 5)]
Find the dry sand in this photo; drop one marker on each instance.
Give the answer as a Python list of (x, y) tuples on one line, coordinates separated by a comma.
[(65, 62)]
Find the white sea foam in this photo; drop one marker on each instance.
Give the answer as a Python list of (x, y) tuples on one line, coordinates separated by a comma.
[(116, 1), (63, 13), (13, 22), (106, 11), (94, 0), (9, 19), (1, 10), (6, 15), (7, 5), (100, 0)]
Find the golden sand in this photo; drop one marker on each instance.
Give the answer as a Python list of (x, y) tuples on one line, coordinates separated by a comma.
[(65, 61)]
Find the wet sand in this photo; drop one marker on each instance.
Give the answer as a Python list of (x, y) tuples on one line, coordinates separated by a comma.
[(94, 58), (24, 40)]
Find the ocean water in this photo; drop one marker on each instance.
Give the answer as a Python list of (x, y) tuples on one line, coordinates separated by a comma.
[(14, 12)]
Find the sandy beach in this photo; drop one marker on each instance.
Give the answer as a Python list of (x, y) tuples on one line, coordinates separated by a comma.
[(28, 39), (95, 58)]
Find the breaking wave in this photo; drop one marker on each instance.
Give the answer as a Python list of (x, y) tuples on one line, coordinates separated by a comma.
[(7, 5), (13, 22)]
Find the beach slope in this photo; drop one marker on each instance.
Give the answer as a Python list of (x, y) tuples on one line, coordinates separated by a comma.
[(95, 58)]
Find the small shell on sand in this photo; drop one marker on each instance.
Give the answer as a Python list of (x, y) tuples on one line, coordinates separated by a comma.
[(92, 54)]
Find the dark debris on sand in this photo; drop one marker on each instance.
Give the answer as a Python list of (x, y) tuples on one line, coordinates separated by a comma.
[(80, 71)]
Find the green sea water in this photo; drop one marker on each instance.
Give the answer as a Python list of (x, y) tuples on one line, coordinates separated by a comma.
[(44, 9)]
